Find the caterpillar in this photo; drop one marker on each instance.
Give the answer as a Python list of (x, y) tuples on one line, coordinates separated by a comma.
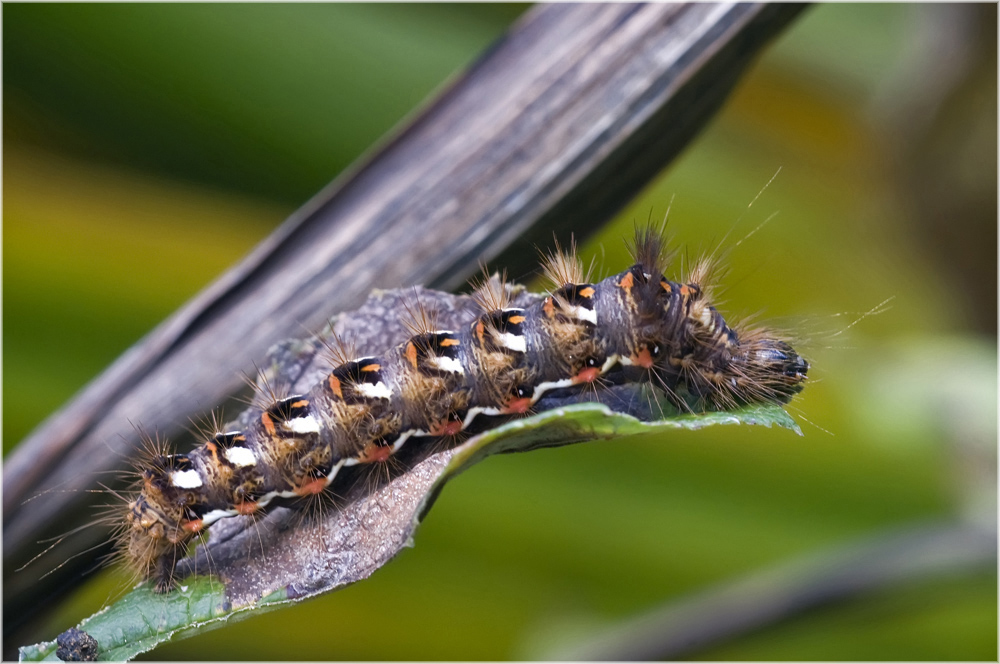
[(501, 360)]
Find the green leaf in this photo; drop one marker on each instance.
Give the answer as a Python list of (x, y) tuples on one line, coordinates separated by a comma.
[(305, 559)]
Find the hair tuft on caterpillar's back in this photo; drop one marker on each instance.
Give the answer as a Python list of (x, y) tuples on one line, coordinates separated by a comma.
[(635, 327)]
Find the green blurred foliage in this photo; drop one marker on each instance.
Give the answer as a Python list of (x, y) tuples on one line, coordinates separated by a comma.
[(260, 99), (147, 147)]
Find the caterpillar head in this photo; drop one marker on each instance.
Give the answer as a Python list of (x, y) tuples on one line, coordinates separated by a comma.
[(779, 360), (768, 369)]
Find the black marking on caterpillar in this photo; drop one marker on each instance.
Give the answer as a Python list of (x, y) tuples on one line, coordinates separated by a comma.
[(635, 327)]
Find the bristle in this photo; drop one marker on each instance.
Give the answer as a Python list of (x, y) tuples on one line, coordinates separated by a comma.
[(648, 248), (267, 391), (151, 449), (207, 426), (707, 271), (417, 318), (563, 267), (336, 350), (490, 291)]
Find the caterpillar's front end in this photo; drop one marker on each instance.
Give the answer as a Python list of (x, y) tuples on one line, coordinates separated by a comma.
[(779, 370)]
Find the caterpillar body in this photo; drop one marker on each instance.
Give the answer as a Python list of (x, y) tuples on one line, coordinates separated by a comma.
[(635, 327)]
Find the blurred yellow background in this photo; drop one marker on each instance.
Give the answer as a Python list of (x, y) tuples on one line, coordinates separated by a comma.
[(148, 147)]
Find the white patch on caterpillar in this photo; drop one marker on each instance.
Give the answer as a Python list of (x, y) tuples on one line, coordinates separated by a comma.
[(542, 388), (403, 437), (215, 515), (513, 342), (449, 364), (185, 479), (377, 391), (335, 470), (472, 413), (307, 424), (610, 362), (241, 457), (583, 313), (268, 497)]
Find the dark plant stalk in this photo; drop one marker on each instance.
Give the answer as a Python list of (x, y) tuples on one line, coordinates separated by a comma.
[(687, 626)]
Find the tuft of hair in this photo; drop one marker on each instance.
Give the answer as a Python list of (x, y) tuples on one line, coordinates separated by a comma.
[(417, 318), (648, 247), (490, 291), (336, 351), (706, 271), (151, 450), (266, 392), (563, 267), (206, 427)]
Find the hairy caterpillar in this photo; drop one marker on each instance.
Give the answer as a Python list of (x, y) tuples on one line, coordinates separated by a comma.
[(635, 327)]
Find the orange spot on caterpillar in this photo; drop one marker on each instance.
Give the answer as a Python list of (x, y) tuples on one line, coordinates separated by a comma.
[(665, 285), (687, 290), (516, 320), (588, 375), (267, 422), (643, 358), (449, 342), (549, 307), (372, 367), (411, 354), (627, 282), (246, 507), (375, 453), (335, 386), (312, 487), (446, 428), (518, 406), (588, 292), (301, 404), (480, 331), (193, 526)]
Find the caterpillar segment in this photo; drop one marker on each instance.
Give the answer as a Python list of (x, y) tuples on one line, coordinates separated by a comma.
[(498, 372), (632, 327)]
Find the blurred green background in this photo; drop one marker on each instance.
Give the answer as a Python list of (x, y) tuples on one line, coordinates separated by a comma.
[(148, 147)]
